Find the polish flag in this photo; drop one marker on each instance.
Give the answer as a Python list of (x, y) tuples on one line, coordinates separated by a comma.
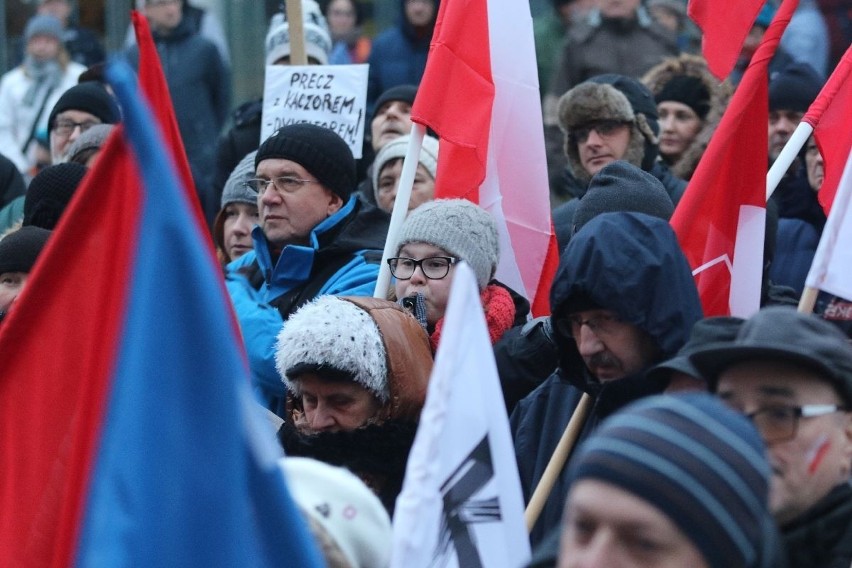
[(724, 27), (829, 115), (480, 94), (720, 221)]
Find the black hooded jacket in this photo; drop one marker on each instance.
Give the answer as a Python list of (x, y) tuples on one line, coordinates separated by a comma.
[(629, 263)]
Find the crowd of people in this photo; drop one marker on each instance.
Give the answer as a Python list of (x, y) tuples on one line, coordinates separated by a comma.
[(709, 441)]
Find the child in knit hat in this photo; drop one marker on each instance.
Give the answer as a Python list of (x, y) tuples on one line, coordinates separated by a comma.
[(238, 215), (435, 237), (387, 169)]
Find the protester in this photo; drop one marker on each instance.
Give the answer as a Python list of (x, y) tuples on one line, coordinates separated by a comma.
[(623, 300), (345, 18), (399, 54), (435, 237), (690, 104), (791, 375), (18, 253), (238, 215), (200, 88), (549, 33), (780, 59), (29, 91), (387, 169), (86, 149), (350, 525), (314, 238), (356, 370), (82, 44), (670, 481), (49, 194), (80, 108), (11, 182)]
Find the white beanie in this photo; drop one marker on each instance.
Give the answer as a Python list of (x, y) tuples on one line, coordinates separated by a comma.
[(397, 148), (349, 512), (317, 38), (333, 334)]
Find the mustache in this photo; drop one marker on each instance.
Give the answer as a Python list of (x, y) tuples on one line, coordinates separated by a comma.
[(603, 359)]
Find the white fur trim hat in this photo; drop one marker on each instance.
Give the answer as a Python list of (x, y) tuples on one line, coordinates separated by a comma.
[(344, 507), (317, 38), (463, 229), (397, 148), (335, 336)]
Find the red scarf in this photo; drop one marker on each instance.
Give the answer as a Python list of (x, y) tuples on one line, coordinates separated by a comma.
[(499, 314)]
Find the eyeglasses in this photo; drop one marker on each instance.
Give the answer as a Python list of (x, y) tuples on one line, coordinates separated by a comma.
[(433, 267), (780, 423), (602, 324), (66, 127), (604, 128), (282, 184)]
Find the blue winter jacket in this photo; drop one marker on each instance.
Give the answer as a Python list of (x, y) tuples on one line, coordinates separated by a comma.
[(343, 259), (629, 263)]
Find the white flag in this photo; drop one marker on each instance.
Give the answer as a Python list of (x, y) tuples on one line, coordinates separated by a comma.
[(831, 269), (461, 502)]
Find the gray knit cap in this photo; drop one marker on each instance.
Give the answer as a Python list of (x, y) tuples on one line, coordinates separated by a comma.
[(91, 139), (236, 190), (397, 148), (43, 24), (459, 227), (333, 335)]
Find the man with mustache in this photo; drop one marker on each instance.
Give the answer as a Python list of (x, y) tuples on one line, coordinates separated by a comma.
[(791, 374), (623, 300)]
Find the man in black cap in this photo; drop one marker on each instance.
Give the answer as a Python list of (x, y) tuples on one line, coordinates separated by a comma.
[(77, 110), (18, 253), (315, 237), (791, 374)]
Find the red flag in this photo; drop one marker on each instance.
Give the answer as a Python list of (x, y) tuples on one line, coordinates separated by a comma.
[(720, 221), (830, 115), (724, 26), (480, 94)]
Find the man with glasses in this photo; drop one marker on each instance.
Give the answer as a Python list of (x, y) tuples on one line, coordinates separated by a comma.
[(77, 110), (791, 374), (315, 237), (623, 300)]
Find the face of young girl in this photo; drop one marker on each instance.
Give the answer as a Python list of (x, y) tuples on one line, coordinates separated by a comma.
[(435, 292)]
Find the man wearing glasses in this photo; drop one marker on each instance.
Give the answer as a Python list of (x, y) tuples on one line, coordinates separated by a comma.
[(314, 238), (77, 110), (791, 374)]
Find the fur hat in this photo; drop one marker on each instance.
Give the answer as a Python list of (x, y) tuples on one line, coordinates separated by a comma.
[(611, 97), (317, 38), (236, 190), (50, 192), (346, 509), (20, 249), (397, 148), (45, 25), (461, 228), (317, 149), (87, 97), (332, 335), (92, 139)]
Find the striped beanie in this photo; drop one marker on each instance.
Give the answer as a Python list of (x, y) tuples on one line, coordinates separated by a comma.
[(699, 463)]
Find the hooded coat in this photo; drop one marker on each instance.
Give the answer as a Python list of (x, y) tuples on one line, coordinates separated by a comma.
[(629, 263)]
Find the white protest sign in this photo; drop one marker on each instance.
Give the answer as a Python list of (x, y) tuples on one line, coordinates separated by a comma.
[(332, 96)]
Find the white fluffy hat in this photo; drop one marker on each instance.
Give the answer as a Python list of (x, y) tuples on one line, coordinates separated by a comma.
[(346, 509), (335, 334), (317, 38)]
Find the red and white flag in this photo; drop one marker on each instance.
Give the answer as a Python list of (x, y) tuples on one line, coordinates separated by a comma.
[(831, 269), (721, 218), (480, 94), (724, 27), (830, 115)]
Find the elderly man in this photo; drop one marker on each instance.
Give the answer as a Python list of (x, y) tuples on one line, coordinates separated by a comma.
[(791, 374), (77, 110), (623, 300), (315, 237)]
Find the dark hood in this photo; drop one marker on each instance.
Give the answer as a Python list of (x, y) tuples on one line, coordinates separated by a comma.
[(630, 263)]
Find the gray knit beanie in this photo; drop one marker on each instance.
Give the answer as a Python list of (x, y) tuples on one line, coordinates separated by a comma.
[(621, 186), (236, 190), (43, 24), (459, 227), (334, 336), (91, 139), (397, 148)]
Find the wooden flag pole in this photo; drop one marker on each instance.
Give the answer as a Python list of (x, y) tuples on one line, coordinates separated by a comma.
[(557, 461), (296, 27)]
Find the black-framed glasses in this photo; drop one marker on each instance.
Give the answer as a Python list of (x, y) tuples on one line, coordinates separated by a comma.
[(779, 423), (600, 324), (282, 184), (433, 267), (65, 127), (604, 128)]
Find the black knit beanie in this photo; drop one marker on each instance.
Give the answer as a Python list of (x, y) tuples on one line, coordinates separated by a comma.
[(794, 88), (87, 97), (621, 186), (405, 93), (20, 249), (687, 90), (319, 150), (50, 192)]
